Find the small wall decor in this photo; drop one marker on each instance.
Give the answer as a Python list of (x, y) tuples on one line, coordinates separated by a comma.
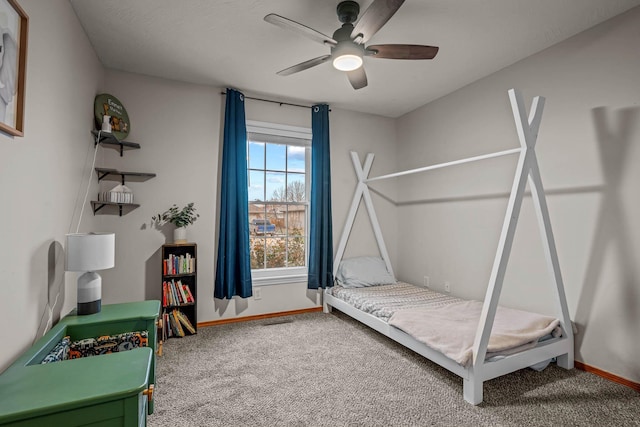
[(14, 28), (109, 105)]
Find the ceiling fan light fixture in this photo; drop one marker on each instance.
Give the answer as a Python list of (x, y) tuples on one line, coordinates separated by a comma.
[(347, 56), (347, 62)]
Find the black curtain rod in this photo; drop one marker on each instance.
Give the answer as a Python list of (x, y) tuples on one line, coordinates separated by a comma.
[(274, 102)]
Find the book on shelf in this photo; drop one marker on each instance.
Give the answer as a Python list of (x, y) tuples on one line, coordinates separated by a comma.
[(166, 326), (181, 293), (176, 293), (178, 264), (176, 299), (164, 294), (167, 295), (185, 321), (190, 297), (175, 324)]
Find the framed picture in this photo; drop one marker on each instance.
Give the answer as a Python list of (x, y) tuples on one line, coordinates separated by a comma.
[(14, 27)]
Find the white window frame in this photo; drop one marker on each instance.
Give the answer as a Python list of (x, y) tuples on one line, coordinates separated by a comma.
[(279, 276)]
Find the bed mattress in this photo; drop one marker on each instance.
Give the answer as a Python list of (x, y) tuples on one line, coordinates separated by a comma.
[(383, 301), (448, 324)]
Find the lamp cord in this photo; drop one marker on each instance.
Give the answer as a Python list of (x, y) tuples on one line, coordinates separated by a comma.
[(86, 193), (50, 308)]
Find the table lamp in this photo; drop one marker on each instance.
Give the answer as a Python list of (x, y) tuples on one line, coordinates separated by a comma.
[(88, 252)]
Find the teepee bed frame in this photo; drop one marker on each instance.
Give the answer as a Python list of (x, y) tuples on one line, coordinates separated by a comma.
[(479, 370)]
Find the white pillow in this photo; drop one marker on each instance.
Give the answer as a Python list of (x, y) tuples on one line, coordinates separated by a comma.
[(363, 271)]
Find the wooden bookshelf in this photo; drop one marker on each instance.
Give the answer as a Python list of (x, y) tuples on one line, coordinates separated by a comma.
[(179, 290)]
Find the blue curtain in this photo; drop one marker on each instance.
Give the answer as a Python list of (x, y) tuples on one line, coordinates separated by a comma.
[(320, 230), (233, 267)]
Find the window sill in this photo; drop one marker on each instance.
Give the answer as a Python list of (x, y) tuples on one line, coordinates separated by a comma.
[(279, 280)]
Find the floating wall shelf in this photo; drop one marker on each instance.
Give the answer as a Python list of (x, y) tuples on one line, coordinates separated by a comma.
[(116, 175), (109, 140), (122, 208)]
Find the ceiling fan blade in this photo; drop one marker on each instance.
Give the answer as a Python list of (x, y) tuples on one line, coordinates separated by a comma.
[(401, 51), (304, 65), (374, 18), (297, 27), (357, 78)]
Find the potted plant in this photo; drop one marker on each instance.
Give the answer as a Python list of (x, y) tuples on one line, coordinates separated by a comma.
[(181, 218)]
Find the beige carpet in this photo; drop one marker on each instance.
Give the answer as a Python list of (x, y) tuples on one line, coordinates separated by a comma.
[(329, 370)]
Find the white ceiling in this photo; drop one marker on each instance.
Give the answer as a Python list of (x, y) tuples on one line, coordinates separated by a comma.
[(226, 43)]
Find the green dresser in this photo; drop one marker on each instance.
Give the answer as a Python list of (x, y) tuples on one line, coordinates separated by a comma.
[(108, 390)]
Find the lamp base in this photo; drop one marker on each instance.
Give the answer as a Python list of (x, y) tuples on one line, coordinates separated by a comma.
[(89, 293), (92, 307)]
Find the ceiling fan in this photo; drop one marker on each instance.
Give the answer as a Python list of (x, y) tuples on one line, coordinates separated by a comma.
[(348, 42)]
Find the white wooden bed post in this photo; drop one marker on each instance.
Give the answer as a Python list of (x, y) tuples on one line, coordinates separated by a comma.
[(527, 169), (362, 191)]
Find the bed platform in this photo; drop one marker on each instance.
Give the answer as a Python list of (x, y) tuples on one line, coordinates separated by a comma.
[(480, 368), (492, 367)]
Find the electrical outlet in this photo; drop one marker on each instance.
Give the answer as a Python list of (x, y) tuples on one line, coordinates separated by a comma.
[(257, 293), (447, 287), (426, 281)]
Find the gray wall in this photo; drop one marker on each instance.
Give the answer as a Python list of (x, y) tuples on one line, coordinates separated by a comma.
[(179, 127), (43, 175), (589, 155)]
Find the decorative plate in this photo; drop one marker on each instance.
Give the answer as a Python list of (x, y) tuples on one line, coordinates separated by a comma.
[(106, 104)]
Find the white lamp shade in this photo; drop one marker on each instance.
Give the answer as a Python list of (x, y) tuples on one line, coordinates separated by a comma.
[(90, 251)]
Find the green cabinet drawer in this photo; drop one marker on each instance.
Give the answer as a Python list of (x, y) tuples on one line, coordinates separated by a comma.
[(105, 390)]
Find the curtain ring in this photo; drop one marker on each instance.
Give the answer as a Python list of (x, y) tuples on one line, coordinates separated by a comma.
[(241, 97), (316, 109)]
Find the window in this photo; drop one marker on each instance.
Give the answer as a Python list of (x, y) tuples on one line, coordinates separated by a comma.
[(278, 159)]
